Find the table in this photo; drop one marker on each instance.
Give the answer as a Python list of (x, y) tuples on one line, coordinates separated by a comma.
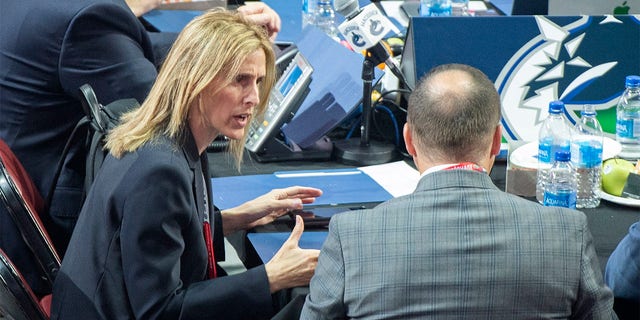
[(608, 223)]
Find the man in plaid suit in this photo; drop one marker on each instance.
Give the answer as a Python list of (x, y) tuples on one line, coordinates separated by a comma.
[(457, 247)]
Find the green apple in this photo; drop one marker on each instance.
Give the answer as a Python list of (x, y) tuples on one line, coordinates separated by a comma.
[(622, 9), (614, 175)]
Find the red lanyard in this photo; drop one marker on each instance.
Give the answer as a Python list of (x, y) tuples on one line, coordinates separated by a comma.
[(466, 166), (207, 236)]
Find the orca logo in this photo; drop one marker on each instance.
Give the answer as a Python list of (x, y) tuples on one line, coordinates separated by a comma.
[(376, 28), (583, 62), (357, 39)]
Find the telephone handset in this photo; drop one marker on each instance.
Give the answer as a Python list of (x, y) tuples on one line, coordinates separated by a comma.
[(287, 95)]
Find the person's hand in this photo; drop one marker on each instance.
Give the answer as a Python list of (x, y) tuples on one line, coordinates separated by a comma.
[(292, 266), (261, 14), (140, 7), (266, 208)]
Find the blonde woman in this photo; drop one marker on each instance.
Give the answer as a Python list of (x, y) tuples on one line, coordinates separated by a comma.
[(148, 237)]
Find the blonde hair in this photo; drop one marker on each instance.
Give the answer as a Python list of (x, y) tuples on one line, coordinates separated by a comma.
[(211, 47)]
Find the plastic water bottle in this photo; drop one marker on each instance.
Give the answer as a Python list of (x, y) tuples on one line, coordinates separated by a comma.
[(434, 8), (562, 188), (628, 119), (308, 12), (325, 18), (586, 157), (554, 136)]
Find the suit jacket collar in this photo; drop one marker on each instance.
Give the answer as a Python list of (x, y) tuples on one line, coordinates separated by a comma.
[(187, 143), (189, 148), (199, 165), (455, 179)]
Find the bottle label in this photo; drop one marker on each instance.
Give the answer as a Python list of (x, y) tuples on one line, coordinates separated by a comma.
[(305, 6), (547, 150), (586, 153), (544, 151), (625, 128), (435, 8), (560, 198)]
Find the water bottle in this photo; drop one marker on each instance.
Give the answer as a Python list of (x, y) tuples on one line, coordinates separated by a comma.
[(562, 188), (434, 8), (586, 157), (554, 136), (308, 12), (628, 119), (325, 18)]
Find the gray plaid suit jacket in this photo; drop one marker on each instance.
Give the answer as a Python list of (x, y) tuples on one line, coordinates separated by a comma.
[(458, 248)]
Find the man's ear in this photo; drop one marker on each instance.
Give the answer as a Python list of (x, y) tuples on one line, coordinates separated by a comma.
[(497, 140), (408, 139)]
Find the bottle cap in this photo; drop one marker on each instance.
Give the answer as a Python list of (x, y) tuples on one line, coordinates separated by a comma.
[(632, 81), (588, 110), (563, 156), (556, 106)]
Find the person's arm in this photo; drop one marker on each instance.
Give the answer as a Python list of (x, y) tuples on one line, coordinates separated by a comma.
[(291, 266), (159, 229), (594, 300), (326, 291), (622, 273), (107, 47), (140, 7), (266, 208), (261, 14)]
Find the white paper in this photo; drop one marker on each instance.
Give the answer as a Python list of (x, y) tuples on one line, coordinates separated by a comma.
[(398, 178)]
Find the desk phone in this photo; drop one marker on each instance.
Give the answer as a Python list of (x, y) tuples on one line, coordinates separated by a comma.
[(287, 95)]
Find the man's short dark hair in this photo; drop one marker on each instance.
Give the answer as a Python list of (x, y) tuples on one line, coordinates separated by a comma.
[(453, 111)]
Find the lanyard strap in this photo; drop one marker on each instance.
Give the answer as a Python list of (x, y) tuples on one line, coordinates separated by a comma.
[(466, 166), (211, 266)]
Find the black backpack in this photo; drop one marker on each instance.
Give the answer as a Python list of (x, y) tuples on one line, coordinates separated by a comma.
[(99, 119)]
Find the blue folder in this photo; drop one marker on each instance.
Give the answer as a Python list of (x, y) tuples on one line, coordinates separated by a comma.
[(268, 243), (339, 186)]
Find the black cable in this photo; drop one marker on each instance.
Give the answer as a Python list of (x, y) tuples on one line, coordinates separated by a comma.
[(394, 91), (393, 104)]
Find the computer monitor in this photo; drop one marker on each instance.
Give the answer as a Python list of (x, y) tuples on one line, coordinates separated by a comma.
[(334, 93)]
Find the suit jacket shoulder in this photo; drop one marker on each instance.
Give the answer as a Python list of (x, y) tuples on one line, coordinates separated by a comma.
[(441, 249)]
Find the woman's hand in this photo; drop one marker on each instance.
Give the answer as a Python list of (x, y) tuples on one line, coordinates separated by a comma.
[(261, 14), (266, 208), (140, 7), (292, 266)]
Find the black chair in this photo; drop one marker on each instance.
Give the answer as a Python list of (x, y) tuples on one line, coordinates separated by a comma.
[(24, 237), (17, 301)]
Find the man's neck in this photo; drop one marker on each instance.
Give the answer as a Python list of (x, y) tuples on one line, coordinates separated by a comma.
[(427, 165)]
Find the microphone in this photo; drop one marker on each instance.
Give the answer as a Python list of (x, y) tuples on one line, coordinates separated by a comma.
[(364, 30)]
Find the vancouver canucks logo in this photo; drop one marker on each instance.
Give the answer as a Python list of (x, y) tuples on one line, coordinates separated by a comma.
[(357, 39), (376, 28), (583, 62)]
